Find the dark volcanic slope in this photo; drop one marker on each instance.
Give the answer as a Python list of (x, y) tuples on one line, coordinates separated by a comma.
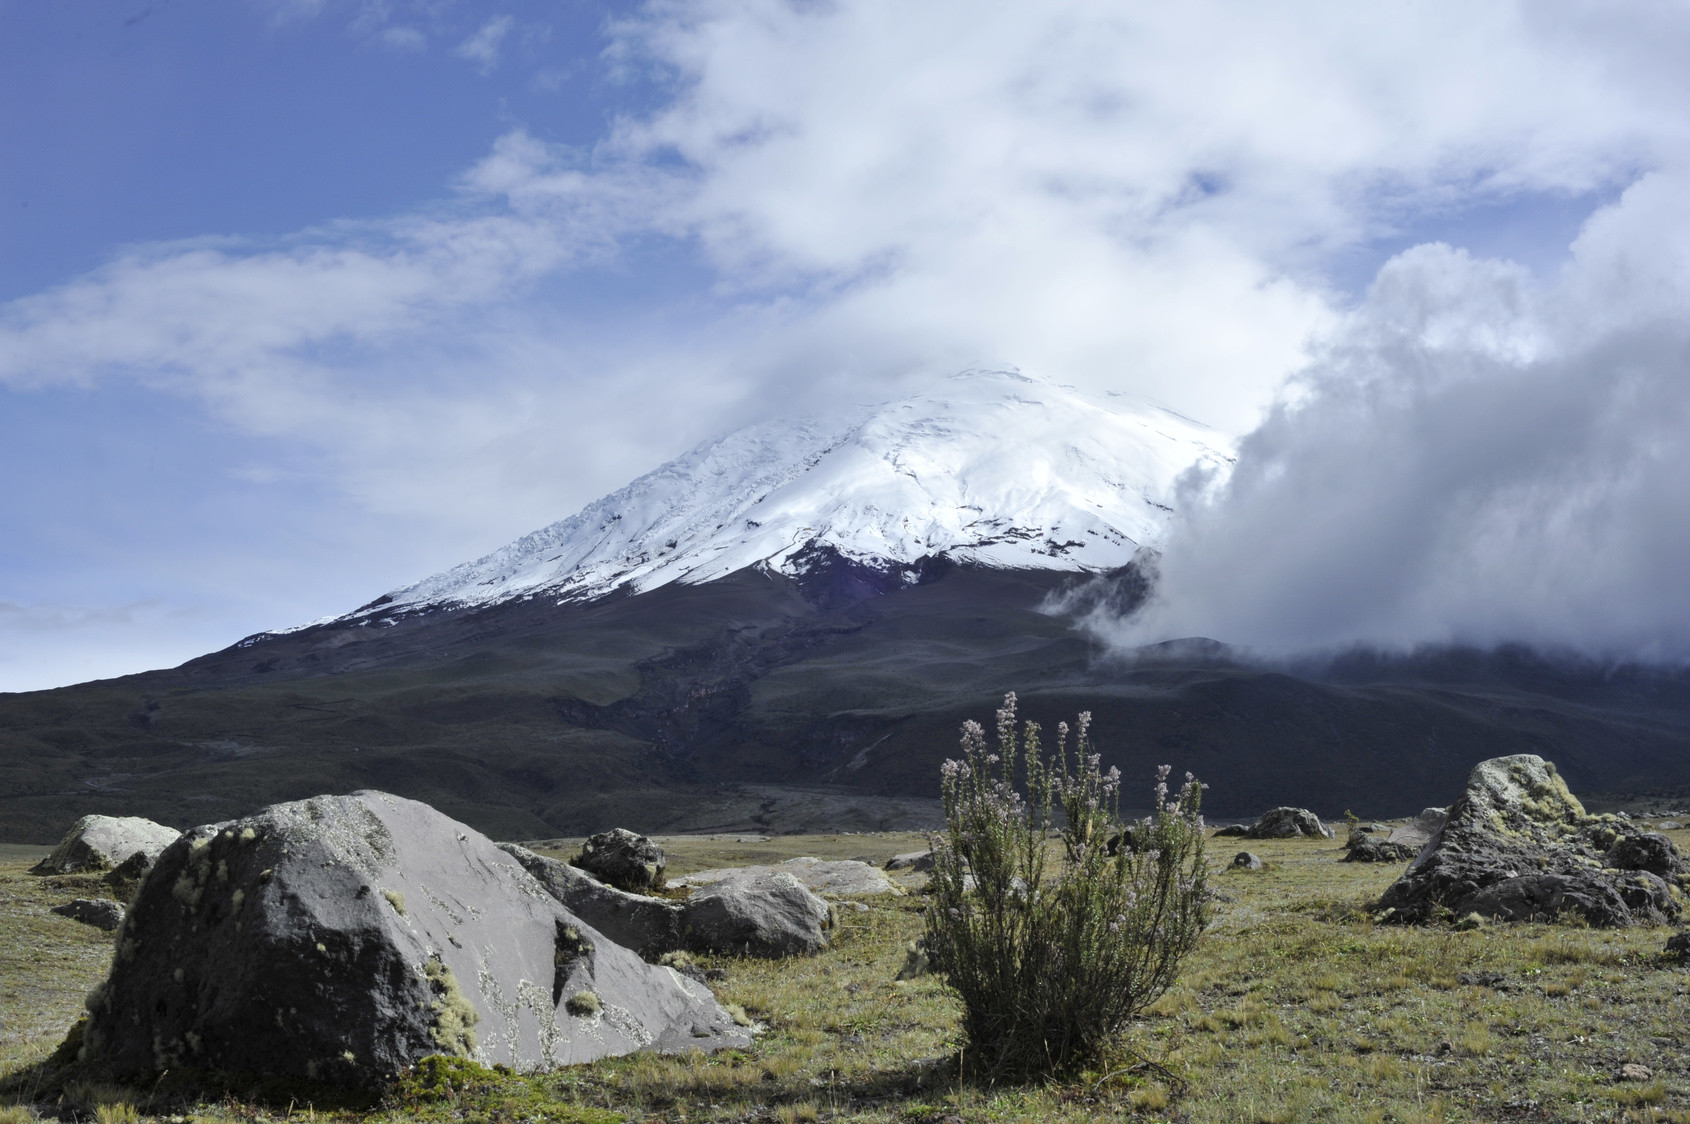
[(529, 719)]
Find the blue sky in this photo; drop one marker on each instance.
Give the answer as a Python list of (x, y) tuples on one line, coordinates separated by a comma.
[(301, 300)]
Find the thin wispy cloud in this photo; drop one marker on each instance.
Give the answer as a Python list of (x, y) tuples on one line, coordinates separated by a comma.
[(483, 47)]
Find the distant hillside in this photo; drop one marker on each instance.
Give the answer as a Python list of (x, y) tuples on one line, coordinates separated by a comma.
[(663, 710)]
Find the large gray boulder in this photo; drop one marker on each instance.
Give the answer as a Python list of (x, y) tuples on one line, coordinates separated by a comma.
[(649, 926), (1289, 823), (1518, 846), (763, 914), (624, 860), (343, 938), (102, 842), (843, 877)]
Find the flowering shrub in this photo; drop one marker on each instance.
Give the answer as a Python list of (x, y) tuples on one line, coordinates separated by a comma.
[(1052, 949)]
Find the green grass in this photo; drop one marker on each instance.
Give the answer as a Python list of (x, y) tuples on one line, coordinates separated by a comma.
[(1294, 1008)]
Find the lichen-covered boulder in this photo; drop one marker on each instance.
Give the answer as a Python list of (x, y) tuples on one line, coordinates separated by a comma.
[(649, 926), (1518, 846), (624, 860), (767, 914), (103, 842), (1289, 823), (343, 938)]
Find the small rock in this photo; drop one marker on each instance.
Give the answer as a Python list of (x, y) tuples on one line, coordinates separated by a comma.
[(1678, 944), (1494, 980), (1368, 849), (649, 926), (916, 861), (1651, 851), (1234, 830), (624, 860), (1668, 825), (103, 842), (1418, 832), (1631, 1071), (767, 915), (842, 876), (102, 913), (1289, 823), (1246, 860)]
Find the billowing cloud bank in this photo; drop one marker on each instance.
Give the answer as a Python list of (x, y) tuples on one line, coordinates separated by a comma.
[(1473, 458)]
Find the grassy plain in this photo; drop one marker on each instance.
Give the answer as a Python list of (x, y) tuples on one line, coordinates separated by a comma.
[(1296, 1007)]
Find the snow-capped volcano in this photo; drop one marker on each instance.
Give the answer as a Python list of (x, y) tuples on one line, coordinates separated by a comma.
[(989, 468)]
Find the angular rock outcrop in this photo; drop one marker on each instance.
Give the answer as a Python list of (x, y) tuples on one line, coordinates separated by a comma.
[(102, 913), (621, 859), (103, 842), (342, 938), (1289, 823), (762, 914), (649, 926), (1518, 846), (841, 876)]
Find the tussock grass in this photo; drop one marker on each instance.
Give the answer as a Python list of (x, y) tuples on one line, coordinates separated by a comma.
[(1295, 1007)]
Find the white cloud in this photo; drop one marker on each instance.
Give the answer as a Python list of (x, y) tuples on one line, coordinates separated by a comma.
[(1474, 458), (829, 200), (482, 48)]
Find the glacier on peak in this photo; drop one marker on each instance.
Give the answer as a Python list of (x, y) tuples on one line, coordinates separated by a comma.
[(988, 468)]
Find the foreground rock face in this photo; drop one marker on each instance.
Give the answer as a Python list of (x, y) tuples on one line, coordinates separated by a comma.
[(823, 876), (759, 914), (343, 938), (103, 842), (624, 860), (649, 926), (1518, 846), (1289, 823)]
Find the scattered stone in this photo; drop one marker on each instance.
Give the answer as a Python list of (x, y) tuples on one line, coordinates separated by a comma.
[(1418, 832), (1518, 846), (102, 842), (344, 938), (1496, 981), (914, 861), (102, 913), (767, 914), (649, 926), (1371, 849), (1246, 860), (624, 860), (1631, 1071), (1289, 823), (1652, 852), (841, 876)]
